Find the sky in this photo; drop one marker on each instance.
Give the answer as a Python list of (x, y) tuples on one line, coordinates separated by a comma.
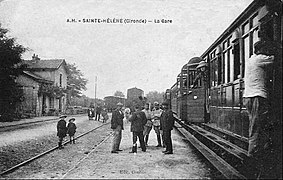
[(123, 55)]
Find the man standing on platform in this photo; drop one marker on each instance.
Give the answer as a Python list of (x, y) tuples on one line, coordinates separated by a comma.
[(148, 125), (98, 112), (166, 125), (117, 126), (156, 123), (138, 120)]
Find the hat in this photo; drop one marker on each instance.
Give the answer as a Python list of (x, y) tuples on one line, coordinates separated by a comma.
[(119, 104), (72, 119), (202, 64), (63, 116)]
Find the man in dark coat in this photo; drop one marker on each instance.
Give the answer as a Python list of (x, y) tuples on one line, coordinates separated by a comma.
[(61, 130), (166, 125), (138, 120), (98, 112), (117, 126)]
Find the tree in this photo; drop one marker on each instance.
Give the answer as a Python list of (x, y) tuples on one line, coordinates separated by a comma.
[(75, 81), (153, 96), (10, 67), (119, 94)]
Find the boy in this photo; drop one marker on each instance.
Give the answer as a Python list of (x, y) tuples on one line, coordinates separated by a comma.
[(71, 130)]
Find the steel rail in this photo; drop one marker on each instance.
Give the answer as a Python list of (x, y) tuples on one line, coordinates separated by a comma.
[(34, 122), (81, 160), (221, 165), (46, 152)]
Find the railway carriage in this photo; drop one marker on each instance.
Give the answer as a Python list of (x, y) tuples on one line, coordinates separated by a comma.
[(217, 100)]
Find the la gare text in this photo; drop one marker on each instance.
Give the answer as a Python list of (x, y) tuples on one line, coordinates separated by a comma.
[(120, 21)]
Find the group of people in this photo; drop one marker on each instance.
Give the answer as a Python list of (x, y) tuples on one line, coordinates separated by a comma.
[(63, 129), (142, 120), (96, 112)]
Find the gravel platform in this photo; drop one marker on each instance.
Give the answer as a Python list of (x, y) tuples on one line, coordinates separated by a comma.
[(152, 164)]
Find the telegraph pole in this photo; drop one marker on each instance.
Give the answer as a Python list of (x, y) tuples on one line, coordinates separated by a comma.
[(95, 87)]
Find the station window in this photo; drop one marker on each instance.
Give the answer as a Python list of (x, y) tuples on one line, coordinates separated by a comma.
[(51, 102), (60, 80)]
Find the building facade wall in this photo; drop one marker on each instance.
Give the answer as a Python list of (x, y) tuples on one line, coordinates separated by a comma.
[(134, 93), (30, 87)]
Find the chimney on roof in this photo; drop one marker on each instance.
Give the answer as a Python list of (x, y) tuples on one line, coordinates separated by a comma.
[(35, 58)]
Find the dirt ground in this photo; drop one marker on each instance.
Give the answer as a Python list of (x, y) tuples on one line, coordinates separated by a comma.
[(90, 158), (152, 164)]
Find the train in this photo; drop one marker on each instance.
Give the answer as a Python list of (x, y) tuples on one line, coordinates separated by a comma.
[(215, 101)]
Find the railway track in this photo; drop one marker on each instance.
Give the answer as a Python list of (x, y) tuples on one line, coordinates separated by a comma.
[(224, 156), (20, 125), (12, 169)]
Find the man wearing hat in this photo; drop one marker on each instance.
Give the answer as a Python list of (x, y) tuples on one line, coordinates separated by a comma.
[(156, 112), (166, 125), (202, 73), (117, 126), (257, 101), (138, 120), (61, 130)]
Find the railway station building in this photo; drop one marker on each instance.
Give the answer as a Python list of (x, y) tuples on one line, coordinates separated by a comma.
[(44, 84)]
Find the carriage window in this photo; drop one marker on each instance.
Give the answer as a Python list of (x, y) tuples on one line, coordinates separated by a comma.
[(213, 70), (236, 60), (231, 61), (250, 30), (255, 37), (227, 67), (215, 74), (228, 41), (246, 28), (254, 21), (246, 51), (219, 66), (225, 45), (212, 73)]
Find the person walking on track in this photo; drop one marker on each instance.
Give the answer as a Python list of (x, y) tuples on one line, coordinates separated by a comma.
[(117, 126), (156, 112), (166, 125), (61, 130), (138, 120), (148, 125)]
